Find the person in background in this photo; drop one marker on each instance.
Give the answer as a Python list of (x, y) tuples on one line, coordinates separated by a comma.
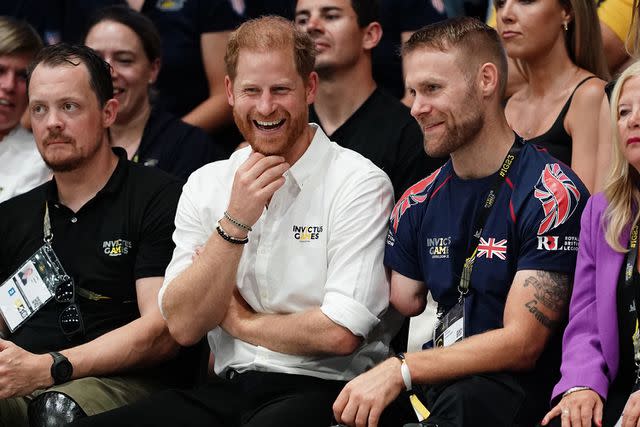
[(350, 107), (21, 167), (130, 44), (601, 346), (556, 44), (399, 19)]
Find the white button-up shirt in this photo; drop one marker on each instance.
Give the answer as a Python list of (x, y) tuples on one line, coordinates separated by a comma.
[(21, 167), (320, 243)]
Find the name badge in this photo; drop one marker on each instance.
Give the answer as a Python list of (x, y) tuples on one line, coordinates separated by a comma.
[(450, 328), (31, 286)]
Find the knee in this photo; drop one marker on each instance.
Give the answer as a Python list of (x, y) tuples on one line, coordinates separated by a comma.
[(52, 409)]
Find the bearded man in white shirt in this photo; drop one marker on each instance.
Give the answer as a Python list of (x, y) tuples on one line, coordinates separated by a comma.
[(289, 282), (21, 167)]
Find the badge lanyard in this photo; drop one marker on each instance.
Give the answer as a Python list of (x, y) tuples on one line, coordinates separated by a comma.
[(449, 327), (33, 284), (630, 265), (465, 277)]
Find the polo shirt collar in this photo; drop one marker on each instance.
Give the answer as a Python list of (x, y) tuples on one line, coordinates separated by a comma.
[(313, 158), (113, 184)]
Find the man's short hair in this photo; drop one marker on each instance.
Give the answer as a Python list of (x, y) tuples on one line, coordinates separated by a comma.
[(18, 37), (267, 34), (478, 43), (66, 54), (367, 11)]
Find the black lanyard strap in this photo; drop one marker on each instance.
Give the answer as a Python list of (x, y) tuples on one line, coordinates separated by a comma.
[(481, 219), (630, 293)]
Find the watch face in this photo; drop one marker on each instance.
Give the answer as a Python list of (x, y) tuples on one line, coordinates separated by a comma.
[(64, 370)]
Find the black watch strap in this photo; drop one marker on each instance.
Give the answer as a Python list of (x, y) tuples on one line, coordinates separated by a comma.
[(61, 369)]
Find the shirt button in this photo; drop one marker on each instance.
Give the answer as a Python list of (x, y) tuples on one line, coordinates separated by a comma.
[(74, 220)]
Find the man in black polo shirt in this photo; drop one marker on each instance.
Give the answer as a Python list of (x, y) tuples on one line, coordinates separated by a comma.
[(349, 107), (111, 223)]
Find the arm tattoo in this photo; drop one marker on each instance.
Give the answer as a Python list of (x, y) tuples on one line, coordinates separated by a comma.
[(551, 289), (540, 316)]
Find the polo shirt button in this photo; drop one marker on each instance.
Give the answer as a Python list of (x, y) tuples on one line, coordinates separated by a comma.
[(74, 220)]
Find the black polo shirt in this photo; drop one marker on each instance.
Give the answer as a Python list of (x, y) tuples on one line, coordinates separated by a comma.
[(176, 147), (383, 131), (121, 235)]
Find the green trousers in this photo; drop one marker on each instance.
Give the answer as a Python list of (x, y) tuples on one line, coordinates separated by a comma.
[(93, 394)]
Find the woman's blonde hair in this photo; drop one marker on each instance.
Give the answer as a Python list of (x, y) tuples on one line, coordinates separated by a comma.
[(621, 188)]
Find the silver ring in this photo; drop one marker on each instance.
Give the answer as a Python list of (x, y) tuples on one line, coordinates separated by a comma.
[(565, 412)]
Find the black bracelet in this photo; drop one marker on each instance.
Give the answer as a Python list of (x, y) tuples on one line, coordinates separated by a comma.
[(236, 222), (229, 238)]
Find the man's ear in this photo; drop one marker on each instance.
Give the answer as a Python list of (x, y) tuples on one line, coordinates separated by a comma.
[(109, 112), (488, 79), (228, 87), (312, 87), (371, 35)]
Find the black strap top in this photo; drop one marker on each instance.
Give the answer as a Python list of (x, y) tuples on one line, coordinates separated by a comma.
[(556, 140)]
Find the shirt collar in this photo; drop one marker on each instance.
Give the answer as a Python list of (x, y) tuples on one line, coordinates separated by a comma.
[(112, 186), (313, 158)]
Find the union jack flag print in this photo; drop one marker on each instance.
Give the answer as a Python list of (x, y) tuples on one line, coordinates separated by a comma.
[(490, 248), (559, 197)]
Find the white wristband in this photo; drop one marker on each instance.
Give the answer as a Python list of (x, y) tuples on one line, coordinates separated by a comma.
[(404, 370)]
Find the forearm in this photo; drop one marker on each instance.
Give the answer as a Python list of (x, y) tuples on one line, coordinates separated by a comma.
[(196, 300), (493, 351), (212, 114), (143, 342), (306, 333)]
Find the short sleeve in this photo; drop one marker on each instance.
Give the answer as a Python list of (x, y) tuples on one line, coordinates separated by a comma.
[(402, 248), (155, 245), (549, 226)]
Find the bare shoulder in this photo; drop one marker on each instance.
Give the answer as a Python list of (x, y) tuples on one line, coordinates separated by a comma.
[(590, 92)]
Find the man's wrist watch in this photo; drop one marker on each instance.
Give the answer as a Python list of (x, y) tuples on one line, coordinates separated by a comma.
[(61, 369)]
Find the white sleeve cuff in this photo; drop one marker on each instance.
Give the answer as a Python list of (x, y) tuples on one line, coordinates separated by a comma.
[(160, 296), (349, 313)]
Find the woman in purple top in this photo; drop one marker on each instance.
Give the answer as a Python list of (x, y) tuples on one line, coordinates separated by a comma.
[(599, 375)]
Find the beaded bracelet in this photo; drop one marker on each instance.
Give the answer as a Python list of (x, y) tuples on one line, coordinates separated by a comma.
[(230, 238), (236, 222)]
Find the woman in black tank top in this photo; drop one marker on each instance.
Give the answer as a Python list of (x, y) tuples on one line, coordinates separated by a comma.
[(561, 106)]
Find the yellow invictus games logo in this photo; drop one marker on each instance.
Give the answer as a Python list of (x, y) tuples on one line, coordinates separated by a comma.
[(116, 247), (306, 233)]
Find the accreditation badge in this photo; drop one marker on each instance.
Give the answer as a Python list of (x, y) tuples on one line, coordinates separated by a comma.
[(450, 327), (31, 286)]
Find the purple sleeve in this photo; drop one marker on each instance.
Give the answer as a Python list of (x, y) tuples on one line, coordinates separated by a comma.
[(583, 363)]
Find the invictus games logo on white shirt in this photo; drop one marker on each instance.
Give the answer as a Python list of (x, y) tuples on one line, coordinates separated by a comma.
[(306, 233), (439, 247), (116, 247)]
